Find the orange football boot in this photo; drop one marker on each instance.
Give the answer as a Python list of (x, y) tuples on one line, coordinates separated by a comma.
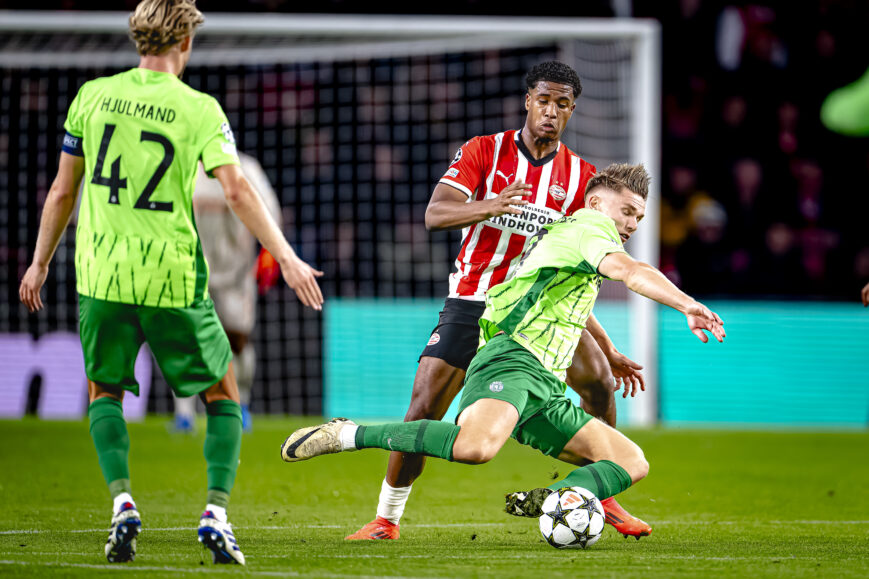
[(624, 522), (379, 528)]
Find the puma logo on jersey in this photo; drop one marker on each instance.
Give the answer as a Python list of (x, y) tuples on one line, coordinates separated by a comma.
[(505, 177)]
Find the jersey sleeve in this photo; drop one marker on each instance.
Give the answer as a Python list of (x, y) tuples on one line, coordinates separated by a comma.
[(467, 171), (74, 124), (218, 148), (596, 241)]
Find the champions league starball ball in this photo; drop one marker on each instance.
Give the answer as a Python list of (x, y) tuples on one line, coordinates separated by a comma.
[(572, 518)]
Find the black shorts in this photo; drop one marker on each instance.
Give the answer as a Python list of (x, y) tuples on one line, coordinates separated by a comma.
[(456, 337)]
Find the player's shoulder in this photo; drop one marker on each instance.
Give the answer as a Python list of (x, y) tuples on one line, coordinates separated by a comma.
[(101, 84), (196, 97), (591, 220), (587, 167), (490, 141)]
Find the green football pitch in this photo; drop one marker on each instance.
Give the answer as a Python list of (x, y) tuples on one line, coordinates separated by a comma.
[(722, 503)]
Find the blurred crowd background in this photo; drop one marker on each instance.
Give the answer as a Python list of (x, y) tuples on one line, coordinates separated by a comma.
[(759, 199)]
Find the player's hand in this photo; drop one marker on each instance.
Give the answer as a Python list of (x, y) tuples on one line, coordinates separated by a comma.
[(626, 372), (267, 271), (509, 200), (303, 279), (865, 295), (701, 318), (31, 284)]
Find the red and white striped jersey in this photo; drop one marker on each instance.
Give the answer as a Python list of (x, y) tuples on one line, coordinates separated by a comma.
[(484, 166)]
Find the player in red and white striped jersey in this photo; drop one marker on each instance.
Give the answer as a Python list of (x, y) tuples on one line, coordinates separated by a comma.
[(500, 189)]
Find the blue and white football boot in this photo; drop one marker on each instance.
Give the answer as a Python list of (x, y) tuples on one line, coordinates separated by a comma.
[(121, 546), (217, 536)]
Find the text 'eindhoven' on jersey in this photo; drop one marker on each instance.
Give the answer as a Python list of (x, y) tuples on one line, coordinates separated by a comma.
[(481, 169)]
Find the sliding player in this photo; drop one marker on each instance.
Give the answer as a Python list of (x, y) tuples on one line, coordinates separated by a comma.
[(530, 328), (501, 189), (136, 139)]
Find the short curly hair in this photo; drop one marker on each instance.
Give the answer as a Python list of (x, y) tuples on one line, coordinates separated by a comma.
[(553, 71), (617, 176), (158, 25)]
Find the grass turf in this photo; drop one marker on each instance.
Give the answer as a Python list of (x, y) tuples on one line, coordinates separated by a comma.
[(722, 503)]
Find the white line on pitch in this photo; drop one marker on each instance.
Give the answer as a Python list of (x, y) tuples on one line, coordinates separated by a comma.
[(264, 528), (424, 526)]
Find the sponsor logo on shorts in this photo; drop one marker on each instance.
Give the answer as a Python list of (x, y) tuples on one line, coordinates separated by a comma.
[(453, 172), (435, 338), (496, 386), (523, 336), (557, 193)]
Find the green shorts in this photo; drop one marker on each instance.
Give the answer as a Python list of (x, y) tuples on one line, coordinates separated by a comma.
[(189, 344), (506, 371)]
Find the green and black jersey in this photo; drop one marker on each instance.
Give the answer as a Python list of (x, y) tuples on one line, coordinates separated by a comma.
[(545, 306), (142, 134)]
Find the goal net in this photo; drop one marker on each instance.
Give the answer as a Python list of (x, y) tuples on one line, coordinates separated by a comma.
[(354, 119)]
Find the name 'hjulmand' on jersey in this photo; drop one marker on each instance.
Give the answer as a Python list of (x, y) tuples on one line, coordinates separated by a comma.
[(142, 134)]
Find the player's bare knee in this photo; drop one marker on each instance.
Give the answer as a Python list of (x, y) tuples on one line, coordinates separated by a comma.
[(472, 450), (637, 467), (473, 455)]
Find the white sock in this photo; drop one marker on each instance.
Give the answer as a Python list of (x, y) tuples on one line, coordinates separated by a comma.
[(392, 502), (219, 512), (347, 435), (120, 500)]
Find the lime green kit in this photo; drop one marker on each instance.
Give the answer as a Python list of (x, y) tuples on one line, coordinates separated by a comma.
[(143, 134), (141, 274), (545, 305)]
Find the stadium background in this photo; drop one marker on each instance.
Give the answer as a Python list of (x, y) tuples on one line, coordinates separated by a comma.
[(762, 210)]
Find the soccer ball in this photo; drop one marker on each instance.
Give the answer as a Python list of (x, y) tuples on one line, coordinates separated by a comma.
[(572, 518)]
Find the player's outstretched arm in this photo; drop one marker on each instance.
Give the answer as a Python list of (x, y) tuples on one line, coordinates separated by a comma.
[(647, 281), (865, 295), (449, 208), (247, 204), (58, 208)]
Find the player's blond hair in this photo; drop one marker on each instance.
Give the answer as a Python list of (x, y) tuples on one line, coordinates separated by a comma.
[(621, 175), (158, 25)]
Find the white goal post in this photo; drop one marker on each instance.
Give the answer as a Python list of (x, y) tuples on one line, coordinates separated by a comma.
[(41, 39)]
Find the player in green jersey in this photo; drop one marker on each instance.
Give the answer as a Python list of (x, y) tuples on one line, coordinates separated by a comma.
[(136, 139), (529, 331)]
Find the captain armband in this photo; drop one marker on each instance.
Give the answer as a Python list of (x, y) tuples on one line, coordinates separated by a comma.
[(72, 145)]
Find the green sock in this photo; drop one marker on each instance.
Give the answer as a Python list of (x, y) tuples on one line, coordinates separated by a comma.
[(428, 437), (109, 432), (604, 478), (222, 449)]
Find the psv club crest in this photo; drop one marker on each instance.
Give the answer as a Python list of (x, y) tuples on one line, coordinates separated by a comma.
[(557, 192)]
